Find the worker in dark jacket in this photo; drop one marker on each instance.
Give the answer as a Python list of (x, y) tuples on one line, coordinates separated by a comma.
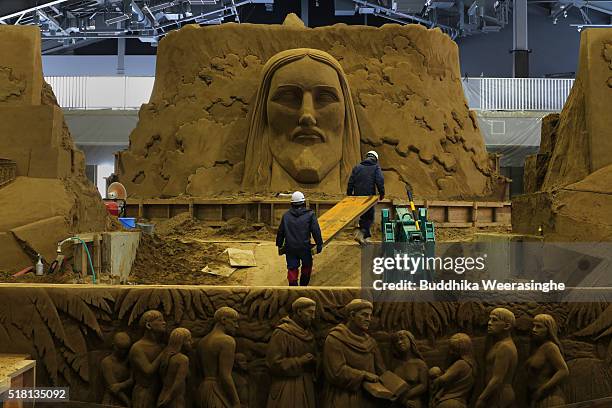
[(293, 239), (366, 178)]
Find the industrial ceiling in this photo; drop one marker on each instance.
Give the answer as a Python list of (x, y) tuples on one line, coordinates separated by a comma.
[(69, 24)]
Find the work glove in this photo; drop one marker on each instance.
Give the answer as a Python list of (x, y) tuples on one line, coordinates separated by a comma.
[(319, 249), (382, 197), (281, 251)]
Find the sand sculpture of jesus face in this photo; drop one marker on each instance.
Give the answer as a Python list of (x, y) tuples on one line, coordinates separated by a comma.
[(305, 112), (303, 130)]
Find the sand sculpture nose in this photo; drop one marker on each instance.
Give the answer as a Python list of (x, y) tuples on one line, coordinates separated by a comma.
[(307, 113)]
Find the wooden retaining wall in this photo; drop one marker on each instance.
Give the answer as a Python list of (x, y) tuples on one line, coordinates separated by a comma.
[(445, 214)]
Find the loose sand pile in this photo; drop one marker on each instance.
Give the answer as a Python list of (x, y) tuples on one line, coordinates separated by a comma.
[(406, 89), (182, 246), (51, 197), (569, 182)]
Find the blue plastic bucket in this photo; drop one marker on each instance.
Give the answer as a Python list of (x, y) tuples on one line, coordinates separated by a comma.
[(128, 222)]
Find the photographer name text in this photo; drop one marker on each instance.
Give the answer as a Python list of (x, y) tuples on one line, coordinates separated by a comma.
[(464, 285)]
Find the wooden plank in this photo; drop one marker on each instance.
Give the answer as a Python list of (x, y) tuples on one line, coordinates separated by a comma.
[(342, 214), (97, 253)]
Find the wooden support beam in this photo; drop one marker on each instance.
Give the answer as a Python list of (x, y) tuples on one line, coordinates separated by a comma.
[(83, 260), (456, 214), (97, 253)]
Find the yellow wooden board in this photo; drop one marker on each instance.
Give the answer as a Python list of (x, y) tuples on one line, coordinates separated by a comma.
[(342, 214)]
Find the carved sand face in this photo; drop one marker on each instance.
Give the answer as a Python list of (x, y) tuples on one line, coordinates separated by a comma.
[(230, 324), (539, 330), (496, 325), (403, 342), (305, 116), (362, 318), (307, 315), (158, 325), (188, 345)]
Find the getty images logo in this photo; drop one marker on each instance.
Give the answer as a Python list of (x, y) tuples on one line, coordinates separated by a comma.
[(412, 264)]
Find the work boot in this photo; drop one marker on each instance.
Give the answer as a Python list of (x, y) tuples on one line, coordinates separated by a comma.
[(359, 237)]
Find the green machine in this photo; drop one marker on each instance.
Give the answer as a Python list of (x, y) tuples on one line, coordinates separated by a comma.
[(409, 225), (411, 233)]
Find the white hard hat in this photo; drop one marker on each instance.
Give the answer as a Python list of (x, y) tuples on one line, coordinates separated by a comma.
[(297, 197), (372, 153)]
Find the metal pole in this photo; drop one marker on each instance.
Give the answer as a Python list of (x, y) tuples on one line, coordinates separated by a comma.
[(304, 12), (461, 10), (120, 56), (520, 46)]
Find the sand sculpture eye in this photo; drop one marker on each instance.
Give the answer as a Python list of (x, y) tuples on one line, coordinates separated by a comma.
[(288, 96), (325, 97)]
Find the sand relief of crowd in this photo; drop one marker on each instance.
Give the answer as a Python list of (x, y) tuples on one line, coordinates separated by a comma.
[(349, 370)]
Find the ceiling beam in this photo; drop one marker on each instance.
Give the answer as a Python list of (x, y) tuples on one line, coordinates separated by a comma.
[(39, 7)]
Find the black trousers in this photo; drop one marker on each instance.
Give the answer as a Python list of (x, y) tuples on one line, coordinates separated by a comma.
[(365, 222)]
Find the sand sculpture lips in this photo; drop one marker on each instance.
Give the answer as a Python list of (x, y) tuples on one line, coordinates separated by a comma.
[(308, 136)]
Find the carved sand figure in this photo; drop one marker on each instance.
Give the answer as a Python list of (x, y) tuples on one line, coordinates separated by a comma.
[(292, 358), (116, 372), (303, 132), (412, 369), (145, 358), (350, 358), (546, 368), (174, 369), (216, 353), (501, 362), (240, 376), (452, 389)]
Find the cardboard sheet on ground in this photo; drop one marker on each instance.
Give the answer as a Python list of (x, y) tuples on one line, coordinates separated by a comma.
[(241, 257), (342, 214), (219, 270)]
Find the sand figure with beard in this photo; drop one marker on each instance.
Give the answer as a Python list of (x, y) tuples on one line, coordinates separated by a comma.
[(292, 360), (303, 128), (351, 358)]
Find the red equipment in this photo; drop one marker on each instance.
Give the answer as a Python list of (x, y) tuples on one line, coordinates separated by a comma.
[(116, 195)]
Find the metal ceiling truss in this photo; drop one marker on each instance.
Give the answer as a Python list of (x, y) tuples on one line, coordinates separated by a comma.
[(464, 17), (483, 16), (71, 21), (559, 9)]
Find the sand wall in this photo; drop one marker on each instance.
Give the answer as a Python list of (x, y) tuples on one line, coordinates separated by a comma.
[(405, 83), (569, 182), (50, 197), (69, 330)]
